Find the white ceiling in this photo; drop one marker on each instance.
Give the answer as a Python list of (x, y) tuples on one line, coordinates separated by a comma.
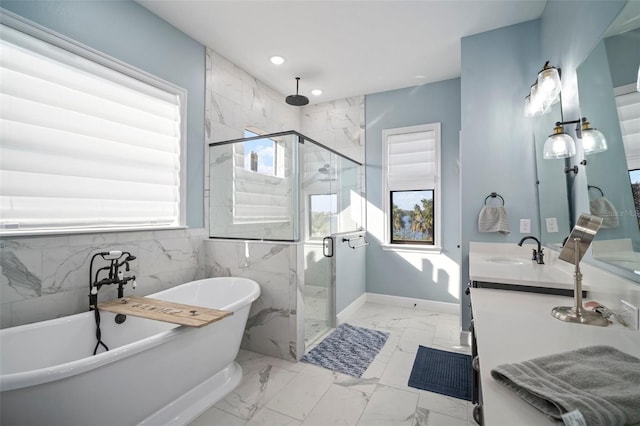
[(345, 48)]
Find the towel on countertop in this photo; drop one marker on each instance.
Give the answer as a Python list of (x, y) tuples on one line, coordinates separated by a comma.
[(603, 208), (601, 382), (493, 219)]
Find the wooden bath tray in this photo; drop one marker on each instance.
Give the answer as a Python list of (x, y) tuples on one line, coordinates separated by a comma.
[(160, 310)]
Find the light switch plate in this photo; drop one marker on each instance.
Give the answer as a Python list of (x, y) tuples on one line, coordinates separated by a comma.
[(525, 226), (629, 315), (552, 224)]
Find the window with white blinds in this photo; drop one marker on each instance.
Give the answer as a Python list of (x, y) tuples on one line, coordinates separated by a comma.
[(411, 160), (628, 105), (86, 142), (411, 164)]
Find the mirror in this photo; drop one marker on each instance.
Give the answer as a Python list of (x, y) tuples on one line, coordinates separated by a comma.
[(552, 188), (607, 77)]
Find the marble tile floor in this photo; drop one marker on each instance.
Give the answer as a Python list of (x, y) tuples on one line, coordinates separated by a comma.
[(274, 392)]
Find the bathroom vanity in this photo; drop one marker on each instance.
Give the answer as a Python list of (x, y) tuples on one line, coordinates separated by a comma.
[(514, 326)]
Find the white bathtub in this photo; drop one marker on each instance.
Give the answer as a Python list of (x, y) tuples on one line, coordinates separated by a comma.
[(154, 374)]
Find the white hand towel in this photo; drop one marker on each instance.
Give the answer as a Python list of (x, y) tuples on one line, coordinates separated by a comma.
[(603, 208), (493, 219)]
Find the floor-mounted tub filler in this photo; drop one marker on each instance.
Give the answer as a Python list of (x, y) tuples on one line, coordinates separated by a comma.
[(154, 373)]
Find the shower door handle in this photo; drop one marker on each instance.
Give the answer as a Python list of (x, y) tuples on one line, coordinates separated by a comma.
[(327, 246)]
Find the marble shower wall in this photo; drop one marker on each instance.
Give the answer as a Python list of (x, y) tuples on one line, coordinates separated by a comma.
[(275, 325), (237, 101), (43, 278), (337, 124)]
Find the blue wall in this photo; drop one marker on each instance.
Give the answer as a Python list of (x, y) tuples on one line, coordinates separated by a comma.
[(497, 146), (388, 272), (129, 32)]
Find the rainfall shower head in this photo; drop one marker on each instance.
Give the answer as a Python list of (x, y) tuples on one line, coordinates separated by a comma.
[(297, 100)]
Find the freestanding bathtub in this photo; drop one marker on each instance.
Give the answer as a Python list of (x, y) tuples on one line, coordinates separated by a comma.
[(155, 373)]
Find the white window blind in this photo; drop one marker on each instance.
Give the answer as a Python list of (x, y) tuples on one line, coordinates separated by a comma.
[(628, 105), (257, 197), (412, 161), (83, 145)]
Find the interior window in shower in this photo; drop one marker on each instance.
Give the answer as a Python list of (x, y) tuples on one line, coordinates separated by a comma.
[(265, 156), (322, 214)]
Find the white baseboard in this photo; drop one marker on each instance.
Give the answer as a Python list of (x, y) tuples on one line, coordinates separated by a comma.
[(346, 313), (408, 302)]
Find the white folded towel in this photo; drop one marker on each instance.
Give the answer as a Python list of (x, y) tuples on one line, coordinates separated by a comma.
[(493, 219), (603, 208)]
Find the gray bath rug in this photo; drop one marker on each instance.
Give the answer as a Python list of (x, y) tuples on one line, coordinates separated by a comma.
[(349, 349)]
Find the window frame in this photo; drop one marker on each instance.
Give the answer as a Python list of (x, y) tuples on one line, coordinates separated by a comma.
[(61, 41), (388, 243)]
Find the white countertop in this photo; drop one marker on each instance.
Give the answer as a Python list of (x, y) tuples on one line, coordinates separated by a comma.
[(529, 332), (496, 262), (513, 326)]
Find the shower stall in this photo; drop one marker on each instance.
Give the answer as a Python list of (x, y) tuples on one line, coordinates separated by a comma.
[(288, 189)]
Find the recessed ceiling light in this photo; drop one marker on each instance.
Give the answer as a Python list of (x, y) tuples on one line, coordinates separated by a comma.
[(277, 60), (316, 92)]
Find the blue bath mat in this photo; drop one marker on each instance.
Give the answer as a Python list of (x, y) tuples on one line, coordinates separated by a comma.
[(349, 349), (446, 373)]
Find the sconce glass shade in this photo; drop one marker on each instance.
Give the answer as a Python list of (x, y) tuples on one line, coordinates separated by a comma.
[(534, 105), (559, 145), (549, 84), (593, 141)]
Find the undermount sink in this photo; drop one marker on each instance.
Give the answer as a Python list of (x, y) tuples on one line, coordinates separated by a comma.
[(506, 260)]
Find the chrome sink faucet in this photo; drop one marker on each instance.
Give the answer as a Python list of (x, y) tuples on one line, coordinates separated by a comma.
[(538, 255)]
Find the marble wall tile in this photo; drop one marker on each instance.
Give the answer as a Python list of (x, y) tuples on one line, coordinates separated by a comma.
[(239, 101), (337, 124), (273, 266), (48, 277)]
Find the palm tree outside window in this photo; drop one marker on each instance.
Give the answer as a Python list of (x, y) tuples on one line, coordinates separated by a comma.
[(412, 217)]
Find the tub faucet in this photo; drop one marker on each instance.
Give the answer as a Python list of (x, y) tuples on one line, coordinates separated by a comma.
[(115, 275), (538, 255)]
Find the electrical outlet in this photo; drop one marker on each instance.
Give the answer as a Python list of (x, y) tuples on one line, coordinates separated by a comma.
[(629, 315), (525, 226), (552, 224)]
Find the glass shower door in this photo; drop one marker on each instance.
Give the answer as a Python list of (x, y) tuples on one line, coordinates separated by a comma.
[(319, 178)]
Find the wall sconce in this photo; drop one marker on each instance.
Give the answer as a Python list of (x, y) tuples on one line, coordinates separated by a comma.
[(593, 141), (561, 145), (544, 92)]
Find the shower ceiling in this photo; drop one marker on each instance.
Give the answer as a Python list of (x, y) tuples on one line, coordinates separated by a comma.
[(345, 48)]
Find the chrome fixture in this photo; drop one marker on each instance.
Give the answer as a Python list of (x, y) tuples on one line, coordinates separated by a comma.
[(537, 255), (561, 145), (574, 249), (325, 169), (297, 100), (544, 92)]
